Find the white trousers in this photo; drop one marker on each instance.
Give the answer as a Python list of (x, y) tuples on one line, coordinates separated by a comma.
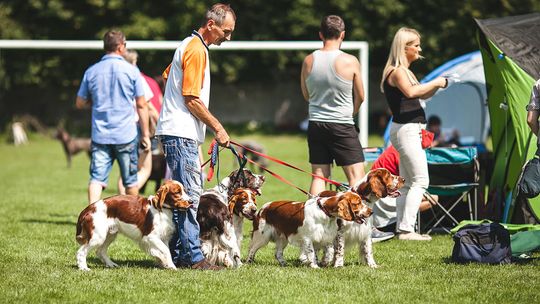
[(407, 140)]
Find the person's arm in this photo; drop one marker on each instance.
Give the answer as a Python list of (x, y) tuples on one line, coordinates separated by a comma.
[(142, 111), (533, 108), (358, 86), (306, 69), (81, 103), (400, 79), (532, 121), (199, 110)]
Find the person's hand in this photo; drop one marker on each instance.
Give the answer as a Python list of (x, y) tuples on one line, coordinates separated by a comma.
[(222, 138), (451, 79), (144, 143), (441, 82)]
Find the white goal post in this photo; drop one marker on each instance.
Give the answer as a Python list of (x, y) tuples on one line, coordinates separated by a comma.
[(360, 46)]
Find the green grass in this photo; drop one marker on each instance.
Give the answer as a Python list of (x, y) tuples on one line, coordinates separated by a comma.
[(41, 200)]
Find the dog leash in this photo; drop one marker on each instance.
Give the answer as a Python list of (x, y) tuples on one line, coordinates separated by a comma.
[(279, 177), (213, 151), (335, 183)]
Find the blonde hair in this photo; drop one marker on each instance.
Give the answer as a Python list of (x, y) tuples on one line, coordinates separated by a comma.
[(404, 37)]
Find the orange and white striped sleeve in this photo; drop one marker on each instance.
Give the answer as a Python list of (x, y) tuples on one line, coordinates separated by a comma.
[(193, 66)]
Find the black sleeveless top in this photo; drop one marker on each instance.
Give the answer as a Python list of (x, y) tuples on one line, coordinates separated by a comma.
[(403, 110)]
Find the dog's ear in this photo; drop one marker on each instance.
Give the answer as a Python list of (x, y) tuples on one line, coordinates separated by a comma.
[(161, 195), (378, 187), (344, 209), (232, 203)]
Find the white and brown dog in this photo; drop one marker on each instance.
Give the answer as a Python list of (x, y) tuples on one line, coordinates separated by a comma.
[(215, 208), (147, 221), (309, 225), (376, 184)]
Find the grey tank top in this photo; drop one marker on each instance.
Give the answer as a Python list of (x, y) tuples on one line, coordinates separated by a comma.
[(330, 96)]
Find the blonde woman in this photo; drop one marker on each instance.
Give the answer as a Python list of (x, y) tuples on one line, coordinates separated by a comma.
[(404, 94)]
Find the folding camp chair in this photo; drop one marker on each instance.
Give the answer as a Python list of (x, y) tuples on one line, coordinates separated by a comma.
[(452, 172)]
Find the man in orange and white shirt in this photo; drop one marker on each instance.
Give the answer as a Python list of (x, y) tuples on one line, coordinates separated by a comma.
[(182, 125)]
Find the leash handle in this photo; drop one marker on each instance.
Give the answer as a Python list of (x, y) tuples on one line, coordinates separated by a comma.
[(213, 151), (337, 184)]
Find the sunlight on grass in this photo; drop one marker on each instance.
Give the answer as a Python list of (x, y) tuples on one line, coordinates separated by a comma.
[(41, 200)]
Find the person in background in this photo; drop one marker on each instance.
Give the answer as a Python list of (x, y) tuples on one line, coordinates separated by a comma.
[(108, 86), (144, 166), (182, 125), (403, 94), (440, 139), (332, 85), (533, 111)]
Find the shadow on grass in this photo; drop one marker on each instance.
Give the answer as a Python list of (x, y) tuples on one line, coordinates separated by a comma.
[(95, 263), (515, 261), (51, 222)]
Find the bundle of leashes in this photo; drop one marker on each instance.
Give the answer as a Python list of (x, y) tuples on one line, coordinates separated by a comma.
[(213, 151)]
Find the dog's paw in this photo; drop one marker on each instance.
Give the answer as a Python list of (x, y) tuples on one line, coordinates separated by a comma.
[(238, 262), (84, 268), (111, 265)]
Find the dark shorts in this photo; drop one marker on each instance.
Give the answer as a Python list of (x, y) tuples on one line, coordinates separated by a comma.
[(329, 141)]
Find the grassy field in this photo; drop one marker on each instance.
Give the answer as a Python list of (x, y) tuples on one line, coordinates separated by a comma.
[(41, 199)]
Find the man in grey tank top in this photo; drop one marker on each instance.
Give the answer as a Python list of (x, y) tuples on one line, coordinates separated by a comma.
[(332, 85)]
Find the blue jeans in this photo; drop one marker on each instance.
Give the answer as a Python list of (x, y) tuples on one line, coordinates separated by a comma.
[(182, 157), (103, 156)]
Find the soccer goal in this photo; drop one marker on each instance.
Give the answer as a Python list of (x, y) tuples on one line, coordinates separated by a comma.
[(360, 46)]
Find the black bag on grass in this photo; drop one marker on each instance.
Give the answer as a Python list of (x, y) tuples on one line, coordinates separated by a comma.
[(482, 243), (529, 183)]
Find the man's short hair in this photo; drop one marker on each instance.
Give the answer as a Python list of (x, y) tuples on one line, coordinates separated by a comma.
[(112, 40), (332, 26), (218, 12)]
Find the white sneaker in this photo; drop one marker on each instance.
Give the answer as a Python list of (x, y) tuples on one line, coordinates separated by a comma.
[(413, 236)]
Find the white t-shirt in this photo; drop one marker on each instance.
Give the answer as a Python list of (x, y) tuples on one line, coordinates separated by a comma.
[(188, 75)]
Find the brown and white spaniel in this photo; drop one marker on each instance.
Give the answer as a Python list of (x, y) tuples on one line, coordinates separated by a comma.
[(376, 184), (309, 225), (221, 225), (147, 221), (223, 193)]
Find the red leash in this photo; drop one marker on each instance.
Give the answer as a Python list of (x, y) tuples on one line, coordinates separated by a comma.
[(337, 184), (278, 177)]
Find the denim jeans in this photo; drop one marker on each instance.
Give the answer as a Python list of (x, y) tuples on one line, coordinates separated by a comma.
[(102, 159), (182, 156), (413, 166)]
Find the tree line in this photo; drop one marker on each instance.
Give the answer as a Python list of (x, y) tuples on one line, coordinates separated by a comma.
[(44, 82)]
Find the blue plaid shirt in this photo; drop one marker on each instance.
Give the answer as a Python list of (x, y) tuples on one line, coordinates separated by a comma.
[(112, 84)]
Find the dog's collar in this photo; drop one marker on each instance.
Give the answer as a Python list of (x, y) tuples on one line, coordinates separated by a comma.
[(319, 203)]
